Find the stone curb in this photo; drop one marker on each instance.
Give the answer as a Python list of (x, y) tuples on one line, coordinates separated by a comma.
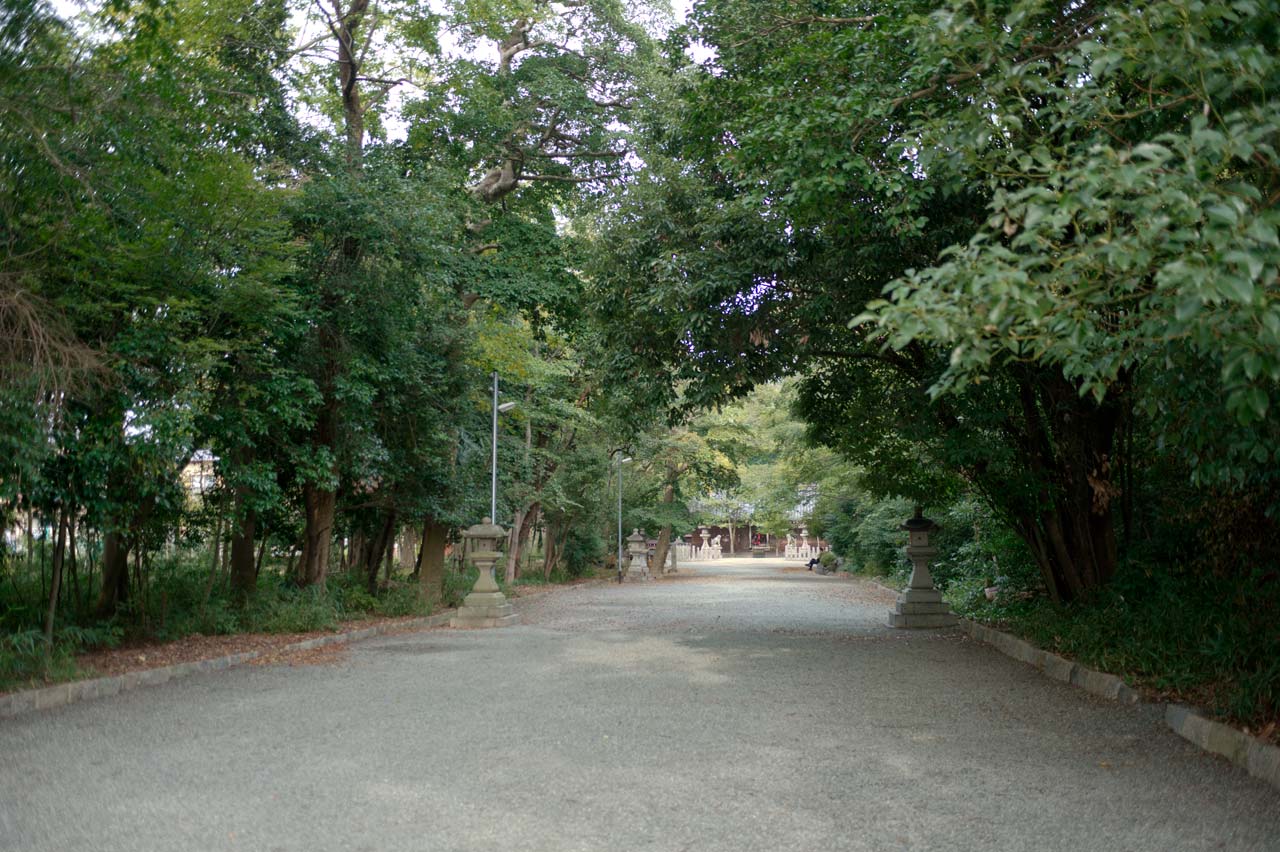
[(1259, 759), (102, 687), (1098, 683)]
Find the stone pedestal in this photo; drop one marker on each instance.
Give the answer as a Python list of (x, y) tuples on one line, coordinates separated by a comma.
[(921, 605), (486, 606), (638, 565), (673, 562)]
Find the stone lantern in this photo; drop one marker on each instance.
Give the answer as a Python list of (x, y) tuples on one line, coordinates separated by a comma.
[(486, 606), (705, 552), (920, 604), (638, 550)]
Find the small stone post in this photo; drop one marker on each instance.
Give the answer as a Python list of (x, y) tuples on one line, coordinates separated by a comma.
[(638, 566), (920, 604), (486, 606), (673, 561)]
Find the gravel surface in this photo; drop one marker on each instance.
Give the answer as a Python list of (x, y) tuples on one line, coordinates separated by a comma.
[(738, 707)]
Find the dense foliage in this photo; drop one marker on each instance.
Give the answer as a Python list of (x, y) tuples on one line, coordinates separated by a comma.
[(260, 260)]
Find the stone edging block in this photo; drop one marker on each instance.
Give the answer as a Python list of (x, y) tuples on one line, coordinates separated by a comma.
[(1259, 759), (102, 687)]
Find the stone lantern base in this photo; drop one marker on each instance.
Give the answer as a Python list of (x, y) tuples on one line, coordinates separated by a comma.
[(485, 609), (922, 608)]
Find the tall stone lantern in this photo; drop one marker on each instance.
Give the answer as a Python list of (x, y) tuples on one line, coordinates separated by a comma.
[(486, 606), (920, 604), (638, 550)]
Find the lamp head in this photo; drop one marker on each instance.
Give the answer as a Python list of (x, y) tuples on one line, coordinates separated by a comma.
[(505, 407)]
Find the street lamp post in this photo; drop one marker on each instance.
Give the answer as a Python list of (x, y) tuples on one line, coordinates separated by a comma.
[(493, 465), (621, 462)]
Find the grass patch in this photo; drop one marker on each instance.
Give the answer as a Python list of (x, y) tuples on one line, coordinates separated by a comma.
[(26, 661)]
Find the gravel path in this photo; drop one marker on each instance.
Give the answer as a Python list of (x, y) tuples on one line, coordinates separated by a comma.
[(739, 707)]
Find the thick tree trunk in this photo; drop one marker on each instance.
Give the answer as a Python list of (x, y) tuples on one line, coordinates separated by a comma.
[(661, 549), (115, 573), (244, 569), (320, 505), (431, 560), (408, 548)]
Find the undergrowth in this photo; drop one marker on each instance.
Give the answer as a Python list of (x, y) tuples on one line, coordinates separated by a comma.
[(1192, 636)]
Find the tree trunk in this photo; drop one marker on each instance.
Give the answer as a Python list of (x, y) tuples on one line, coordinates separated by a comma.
[(408, 548), (1069, 442), (377, 548), (345, 25), (115, 573), (431, 560), (244, 570), (549, 550), (525, 539), (355, 552), (55, 583), (519, 538), (320, 505), (664, 537), (389, 558), (661, 549), (71, 551), (217, 548), (262, 551)]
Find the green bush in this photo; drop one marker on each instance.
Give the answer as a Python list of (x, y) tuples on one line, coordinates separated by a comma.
[(828, 559), (403, 599), (583, 549), (291, 611)]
